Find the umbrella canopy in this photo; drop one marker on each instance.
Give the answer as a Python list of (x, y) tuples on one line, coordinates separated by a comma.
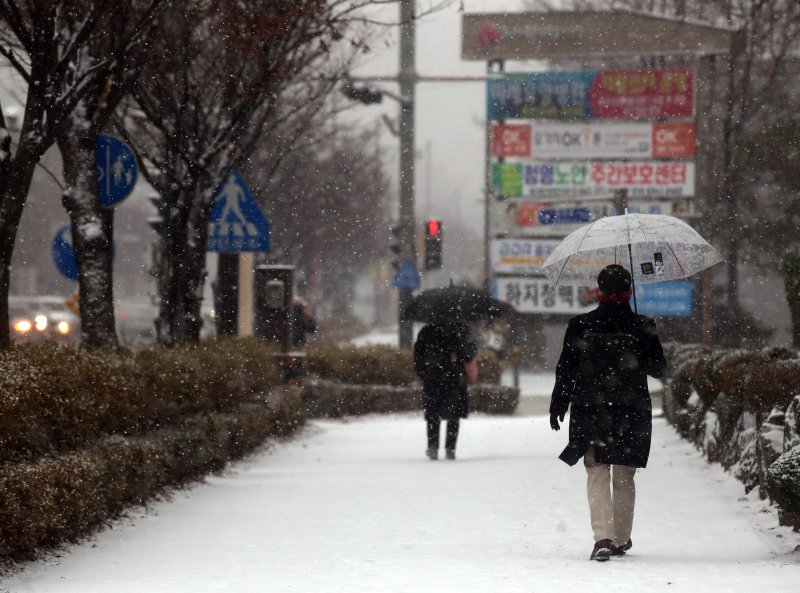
[(454, 303), (652, 247)]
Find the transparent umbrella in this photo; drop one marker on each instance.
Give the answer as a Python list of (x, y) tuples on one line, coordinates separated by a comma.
[(653, 247)]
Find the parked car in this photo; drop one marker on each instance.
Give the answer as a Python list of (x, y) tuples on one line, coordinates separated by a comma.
[(42, 318)]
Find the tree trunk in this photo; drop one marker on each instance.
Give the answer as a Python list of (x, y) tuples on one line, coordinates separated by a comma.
[(171, 243), (92, 237), (181, 291), (194, 266), (791, 280), (15, 180)]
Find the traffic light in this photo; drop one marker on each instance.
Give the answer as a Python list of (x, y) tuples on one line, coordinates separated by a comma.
[(396, 245), (433, 244)]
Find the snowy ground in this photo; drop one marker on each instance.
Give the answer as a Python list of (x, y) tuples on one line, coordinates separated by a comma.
[(353, 506)]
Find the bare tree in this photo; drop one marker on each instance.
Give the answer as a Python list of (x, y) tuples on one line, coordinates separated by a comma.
[(52, 45), (239, 72), (328, 206)]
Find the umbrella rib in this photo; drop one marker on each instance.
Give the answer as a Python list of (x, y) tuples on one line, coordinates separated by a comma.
[(641, 228), (588, 228), (677, 261), (577, 249)]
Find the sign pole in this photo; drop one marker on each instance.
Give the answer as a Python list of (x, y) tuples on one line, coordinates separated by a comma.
[(408, 243), (245, 321), (488, 194), (227, 293)]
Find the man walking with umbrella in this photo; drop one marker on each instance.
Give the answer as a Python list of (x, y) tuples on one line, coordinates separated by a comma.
[(602, 378), (444, 360), (444, 354)]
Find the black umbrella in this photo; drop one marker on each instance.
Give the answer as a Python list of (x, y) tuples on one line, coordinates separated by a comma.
[(459, 303)]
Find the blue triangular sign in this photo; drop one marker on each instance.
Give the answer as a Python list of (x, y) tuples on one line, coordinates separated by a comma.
[(236, 223)]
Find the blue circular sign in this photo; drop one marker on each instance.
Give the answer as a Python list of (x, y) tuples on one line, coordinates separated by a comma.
[(116, 170), (64, 253)]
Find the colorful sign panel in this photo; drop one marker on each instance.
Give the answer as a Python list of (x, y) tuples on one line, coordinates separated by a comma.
[(595, 180), (534, 218), (578, 33), (609, 94), (537, 295), (594, 140), (665, 299), (511, 140), (520, 256)]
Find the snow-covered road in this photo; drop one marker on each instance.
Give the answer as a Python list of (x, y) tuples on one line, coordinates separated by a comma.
[(354, 506)]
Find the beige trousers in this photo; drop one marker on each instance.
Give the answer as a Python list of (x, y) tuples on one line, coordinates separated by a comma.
[(611, 511)]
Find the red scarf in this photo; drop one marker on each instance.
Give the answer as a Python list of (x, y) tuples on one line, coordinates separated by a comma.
[(615, 297)]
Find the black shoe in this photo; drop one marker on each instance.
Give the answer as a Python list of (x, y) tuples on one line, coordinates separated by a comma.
[(620, 550), (432, 453), (602, 550), (450, 454)]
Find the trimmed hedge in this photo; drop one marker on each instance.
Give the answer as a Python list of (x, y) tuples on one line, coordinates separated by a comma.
[(57, 398), (60, 498), (86, 434), (325, 398), (380, 365), (740, 407)]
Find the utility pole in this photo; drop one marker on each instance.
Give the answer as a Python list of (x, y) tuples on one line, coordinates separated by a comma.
[(407, 79)]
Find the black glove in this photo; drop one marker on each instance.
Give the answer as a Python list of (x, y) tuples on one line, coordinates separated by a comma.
[(554, 418)]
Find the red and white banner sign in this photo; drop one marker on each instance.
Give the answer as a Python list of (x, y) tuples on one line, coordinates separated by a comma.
[(643, 94), (510, 140), (595, 140), (673, 140)]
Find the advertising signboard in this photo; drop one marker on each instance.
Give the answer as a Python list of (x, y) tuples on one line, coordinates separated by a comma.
[(594, 180), (594, 140), (511, 140), (665, 299), (520, 256), (537, 295), (609, 94), (534, 218), (569, 34)]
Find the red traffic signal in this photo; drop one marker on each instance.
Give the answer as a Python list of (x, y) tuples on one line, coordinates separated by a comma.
[(433, 244)]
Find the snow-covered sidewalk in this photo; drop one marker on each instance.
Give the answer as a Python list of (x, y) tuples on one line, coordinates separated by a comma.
[(354, 506)]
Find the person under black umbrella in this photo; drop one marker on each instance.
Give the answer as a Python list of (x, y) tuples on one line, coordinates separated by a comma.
[(444, 360), (602, 378)]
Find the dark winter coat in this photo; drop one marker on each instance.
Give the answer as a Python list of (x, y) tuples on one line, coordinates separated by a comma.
[(602, 375), (440, 352), (302, 323)]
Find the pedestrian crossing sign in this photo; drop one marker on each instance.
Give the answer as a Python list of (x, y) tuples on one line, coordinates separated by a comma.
[(236, 223)]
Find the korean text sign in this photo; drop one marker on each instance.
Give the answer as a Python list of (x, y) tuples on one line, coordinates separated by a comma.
[(608, 94)]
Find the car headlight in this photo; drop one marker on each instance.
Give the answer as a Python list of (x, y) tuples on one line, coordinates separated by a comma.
[(23, 326), (63, 327), (40, 322)]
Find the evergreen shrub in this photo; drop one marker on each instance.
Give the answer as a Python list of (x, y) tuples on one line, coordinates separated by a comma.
[(56, 398), (381, 365), (59, 498)]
